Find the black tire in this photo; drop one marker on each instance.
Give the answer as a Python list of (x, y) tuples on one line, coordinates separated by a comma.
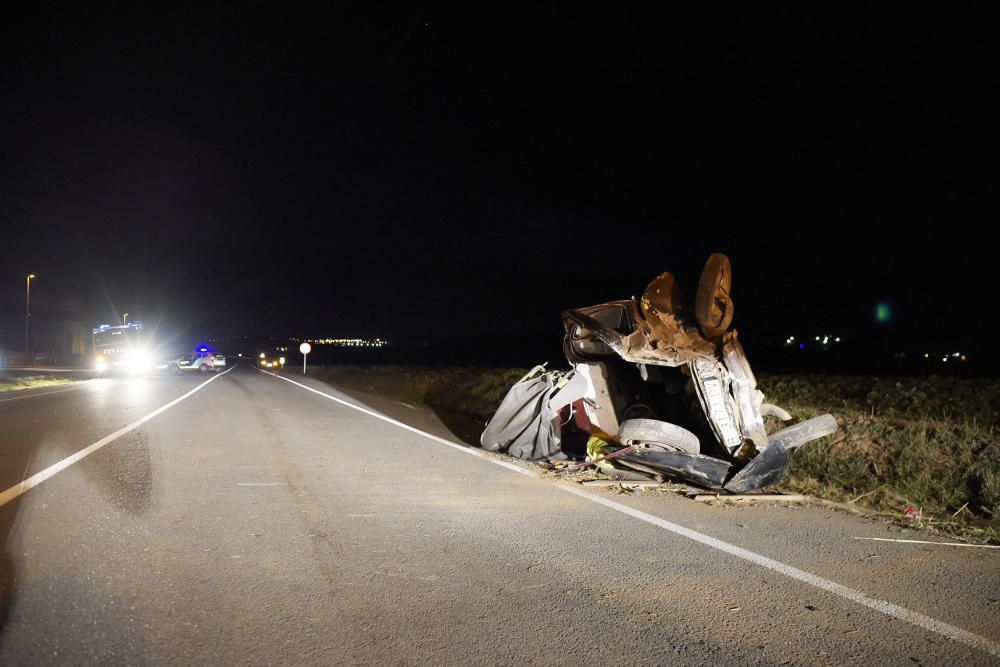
[(203, 368)]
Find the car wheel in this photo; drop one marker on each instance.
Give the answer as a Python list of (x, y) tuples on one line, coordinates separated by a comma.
[(713, 306), (203, 368), (640, 432)]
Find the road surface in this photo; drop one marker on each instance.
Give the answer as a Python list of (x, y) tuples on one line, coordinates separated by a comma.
[(253, 521)]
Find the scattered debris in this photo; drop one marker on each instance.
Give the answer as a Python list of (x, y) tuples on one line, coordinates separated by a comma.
[(863, 495), (940, 544), (660, 386), (598, 450), (914, 513), (622, 483), (769, 497), (600, 461)]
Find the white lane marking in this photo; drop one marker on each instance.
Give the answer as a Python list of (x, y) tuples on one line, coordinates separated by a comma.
[(261, 484), (46, 393), (36, 479), (887, 608)]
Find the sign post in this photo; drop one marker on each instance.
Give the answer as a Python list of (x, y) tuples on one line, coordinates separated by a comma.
[(305, 349)]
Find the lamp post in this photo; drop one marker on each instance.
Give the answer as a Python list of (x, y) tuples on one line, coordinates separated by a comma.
[(27, 311), (125, 319)]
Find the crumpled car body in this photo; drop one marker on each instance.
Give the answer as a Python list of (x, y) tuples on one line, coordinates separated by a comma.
[(663, 360)]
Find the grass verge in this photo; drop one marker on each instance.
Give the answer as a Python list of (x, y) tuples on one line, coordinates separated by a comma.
[(922, 450), (17, 384), (926, 449)]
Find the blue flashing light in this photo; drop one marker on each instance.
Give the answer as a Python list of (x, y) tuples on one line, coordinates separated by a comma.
[(203, 349), (119, 327), (802, 346)]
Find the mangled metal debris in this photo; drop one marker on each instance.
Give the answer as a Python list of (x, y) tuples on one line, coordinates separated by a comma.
[(665, 383)]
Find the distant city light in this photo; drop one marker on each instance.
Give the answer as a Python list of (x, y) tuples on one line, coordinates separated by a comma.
[(948, 356), (825, 341), (348, 342)]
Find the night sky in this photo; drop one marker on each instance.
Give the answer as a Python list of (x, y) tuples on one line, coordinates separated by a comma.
[(432, 170)]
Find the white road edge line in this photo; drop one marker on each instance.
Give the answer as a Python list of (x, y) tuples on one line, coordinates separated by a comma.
[(39, 477), (887, 608)]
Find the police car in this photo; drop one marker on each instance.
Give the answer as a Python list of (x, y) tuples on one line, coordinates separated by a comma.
[(203, 361)]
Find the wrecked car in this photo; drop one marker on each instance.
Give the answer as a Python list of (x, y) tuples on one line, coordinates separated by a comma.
[(663, 385)]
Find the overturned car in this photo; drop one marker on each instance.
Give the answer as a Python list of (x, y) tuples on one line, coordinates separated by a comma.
[(665, 389)]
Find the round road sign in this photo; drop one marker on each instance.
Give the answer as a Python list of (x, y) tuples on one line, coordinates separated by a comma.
[(305, 348)]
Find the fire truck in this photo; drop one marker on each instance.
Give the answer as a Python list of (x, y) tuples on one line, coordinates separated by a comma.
[(121, 348)]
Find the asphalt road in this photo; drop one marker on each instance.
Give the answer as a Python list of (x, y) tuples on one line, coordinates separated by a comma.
[(256, 522)]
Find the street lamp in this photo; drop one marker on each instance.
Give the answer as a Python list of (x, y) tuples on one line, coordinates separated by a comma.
[(125, 319), (27, 310)]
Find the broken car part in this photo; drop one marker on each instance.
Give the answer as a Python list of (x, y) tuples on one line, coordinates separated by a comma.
[(526, 425), (669, 379)]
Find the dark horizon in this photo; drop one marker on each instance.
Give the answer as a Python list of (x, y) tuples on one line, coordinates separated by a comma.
[(435, 172)]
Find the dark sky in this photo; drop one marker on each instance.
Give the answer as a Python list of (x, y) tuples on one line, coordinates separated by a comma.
[(426, 169)]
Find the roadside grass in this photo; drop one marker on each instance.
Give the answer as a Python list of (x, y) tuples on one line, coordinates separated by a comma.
[(472, 392), (923, 450), (926, 449), (17, 384)]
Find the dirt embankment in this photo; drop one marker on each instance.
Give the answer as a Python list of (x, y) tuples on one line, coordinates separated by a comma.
[(927, 446)]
